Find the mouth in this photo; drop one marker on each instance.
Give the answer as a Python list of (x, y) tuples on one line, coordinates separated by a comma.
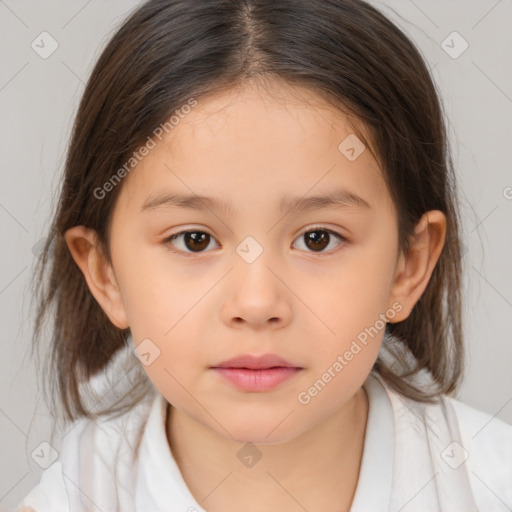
[(262, 362), (256, 373)]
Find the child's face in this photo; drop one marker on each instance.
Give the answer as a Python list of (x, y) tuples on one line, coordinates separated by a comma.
[(307, 301)]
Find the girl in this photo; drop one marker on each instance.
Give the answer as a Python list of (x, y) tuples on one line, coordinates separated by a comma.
[(255, 272)]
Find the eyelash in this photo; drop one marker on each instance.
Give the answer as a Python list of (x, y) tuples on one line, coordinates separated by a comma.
[(168, 240)]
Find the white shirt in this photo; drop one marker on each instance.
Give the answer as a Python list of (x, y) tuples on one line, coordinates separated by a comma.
[(416, 458)]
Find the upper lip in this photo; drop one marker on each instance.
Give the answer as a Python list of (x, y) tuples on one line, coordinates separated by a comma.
[(251, 362)]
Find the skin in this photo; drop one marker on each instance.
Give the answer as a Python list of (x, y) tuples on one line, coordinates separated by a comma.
[(251, 146)]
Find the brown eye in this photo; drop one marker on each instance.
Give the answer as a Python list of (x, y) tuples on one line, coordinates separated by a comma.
[(196, 240), (192, 241), (317, 239)]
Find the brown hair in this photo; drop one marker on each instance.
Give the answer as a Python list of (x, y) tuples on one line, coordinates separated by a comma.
[(168, 51)]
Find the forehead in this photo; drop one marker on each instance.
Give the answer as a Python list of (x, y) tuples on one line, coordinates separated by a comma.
[(258, 113), (249, 143)]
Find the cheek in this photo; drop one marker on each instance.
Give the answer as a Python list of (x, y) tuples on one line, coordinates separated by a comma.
[(157, 293), (175, 341), (353, 304), (344, 354), (356, 289), (164, 305)]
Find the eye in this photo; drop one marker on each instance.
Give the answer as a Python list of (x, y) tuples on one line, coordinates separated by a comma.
[(318, 238), (196, 241)]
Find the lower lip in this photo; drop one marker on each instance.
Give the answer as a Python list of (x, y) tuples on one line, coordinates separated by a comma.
[(257, 380)]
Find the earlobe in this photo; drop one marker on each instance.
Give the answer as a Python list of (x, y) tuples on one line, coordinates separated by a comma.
[(414, 270), (98, 273)]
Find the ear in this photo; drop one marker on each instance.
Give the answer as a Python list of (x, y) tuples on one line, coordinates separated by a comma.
[(83, 245), (414, 270)]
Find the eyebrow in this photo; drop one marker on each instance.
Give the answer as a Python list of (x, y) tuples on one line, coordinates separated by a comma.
[(337, 198)]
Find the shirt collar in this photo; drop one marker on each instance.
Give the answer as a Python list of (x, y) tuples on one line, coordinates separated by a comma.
[(373, 490), (160, 485)]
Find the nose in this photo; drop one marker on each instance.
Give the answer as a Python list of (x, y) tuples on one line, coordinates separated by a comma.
[(256, 296)]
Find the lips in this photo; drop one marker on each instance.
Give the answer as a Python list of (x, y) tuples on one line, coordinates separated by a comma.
[(263, 362), (256, 373)]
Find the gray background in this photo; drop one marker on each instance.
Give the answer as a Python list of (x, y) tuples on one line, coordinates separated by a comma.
[(39, 97)]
